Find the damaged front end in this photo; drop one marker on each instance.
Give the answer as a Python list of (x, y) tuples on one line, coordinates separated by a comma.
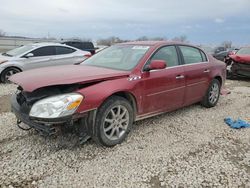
[(36, 110), (237, 67)]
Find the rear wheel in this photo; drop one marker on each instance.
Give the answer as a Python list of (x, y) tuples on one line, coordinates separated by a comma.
[(213, 93), (7, 73), (113, 121)]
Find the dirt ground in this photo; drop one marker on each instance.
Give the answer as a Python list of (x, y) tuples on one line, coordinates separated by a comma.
[(5, 103), (190, 147)]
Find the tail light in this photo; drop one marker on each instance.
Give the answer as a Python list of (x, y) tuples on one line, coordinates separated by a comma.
[(87, 55)]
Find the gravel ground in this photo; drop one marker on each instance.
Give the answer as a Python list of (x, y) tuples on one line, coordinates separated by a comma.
[(190, 147)]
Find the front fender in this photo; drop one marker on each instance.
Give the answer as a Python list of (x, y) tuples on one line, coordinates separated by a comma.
[(11, 64), (96, 94)]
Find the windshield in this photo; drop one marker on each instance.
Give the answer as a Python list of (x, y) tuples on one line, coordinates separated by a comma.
[(19, 51), (120, 57), (243, 51)]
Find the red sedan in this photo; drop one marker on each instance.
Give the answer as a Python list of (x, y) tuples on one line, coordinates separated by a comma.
[(238, 64), (103, 96)]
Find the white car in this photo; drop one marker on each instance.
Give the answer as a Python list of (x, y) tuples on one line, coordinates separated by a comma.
[(38, 55)]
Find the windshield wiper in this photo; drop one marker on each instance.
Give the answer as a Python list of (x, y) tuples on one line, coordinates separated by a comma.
[(5, 54)]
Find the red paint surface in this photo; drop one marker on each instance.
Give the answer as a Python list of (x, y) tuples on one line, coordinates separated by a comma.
[(59, 75), (241, 58)]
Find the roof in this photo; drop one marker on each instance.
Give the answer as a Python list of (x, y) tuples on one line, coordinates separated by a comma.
[(40, 44), (153, 43)]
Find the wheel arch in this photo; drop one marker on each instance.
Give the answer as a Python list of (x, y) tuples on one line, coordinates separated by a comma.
[(12, 67), (6, 68), (128, 96), (219, 78)]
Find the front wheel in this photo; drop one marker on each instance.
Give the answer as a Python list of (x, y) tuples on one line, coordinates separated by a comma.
[(213, 93), (113, 121), (7, 73)]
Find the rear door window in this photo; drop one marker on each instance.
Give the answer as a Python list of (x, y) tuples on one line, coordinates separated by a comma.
[(44, 51), (60, 50), (204, 57), (191, 55)]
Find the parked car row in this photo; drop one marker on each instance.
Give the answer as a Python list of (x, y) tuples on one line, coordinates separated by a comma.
[(220, 52), (85, 46), (38, 55), (237, 60), (102, 97)]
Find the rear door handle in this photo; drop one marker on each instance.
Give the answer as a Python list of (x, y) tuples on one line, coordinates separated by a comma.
[(180, 77), (206, 71)]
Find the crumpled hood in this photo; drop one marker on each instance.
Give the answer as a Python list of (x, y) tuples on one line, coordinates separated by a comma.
[(241, 58), (63, 75)]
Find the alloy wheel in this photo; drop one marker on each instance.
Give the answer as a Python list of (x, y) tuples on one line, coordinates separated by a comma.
[(116, 122), (214, 93), (10, 73)]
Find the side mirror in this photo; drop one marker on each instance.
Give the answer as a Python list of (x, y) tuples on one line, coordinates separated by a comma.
[(29, 55), (155, 65)]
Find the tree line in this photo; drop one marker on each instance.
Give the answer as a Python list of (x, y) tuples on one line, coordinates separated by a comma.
[(113, 40)]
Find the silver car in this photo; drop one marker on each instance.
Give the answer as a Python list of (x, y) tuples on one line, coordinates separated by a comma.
[(38, 55)]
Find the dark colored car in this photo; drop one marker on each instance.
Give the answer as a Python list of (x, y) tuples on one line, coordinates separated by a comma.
[(86, 46), (221, 55), (238, 64), (103, 96), (219, 49)]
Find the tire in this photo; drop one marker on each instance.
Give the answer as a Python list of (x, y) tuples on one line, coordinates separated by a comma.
[(111, 129), (212, 95), (7, 73)]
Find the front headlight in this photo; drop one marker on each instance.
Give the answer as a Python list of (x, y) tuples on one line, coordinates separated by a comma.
[(56, 106)]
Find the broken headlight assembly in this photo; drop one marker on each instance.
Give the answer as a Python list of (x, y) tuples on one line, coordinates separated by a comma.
[(56, 106)]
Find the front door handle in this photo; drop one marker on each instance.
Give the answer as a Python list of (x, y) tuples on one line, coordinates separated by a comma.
[(206, 71), (180, 77)]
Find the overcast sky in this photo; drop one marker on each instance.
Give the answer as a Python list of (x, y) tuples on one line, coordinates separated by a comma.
[(210, 21)]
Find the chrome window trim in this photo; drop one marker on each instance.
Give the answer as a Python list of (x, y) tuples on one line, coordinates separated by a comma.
[(180, 66), (176, 51)]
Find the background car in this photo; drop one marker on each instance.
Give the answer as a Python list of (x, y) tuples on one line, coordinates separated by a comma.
[(238, 64), (219, 49), (103, 96), (222, 55), (207, 49), (86, 46), (38, 55)]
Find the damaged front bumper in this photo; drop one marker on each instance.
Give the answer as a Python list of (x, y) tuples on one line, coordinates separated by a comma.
[(239, 69), (83, 121)]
